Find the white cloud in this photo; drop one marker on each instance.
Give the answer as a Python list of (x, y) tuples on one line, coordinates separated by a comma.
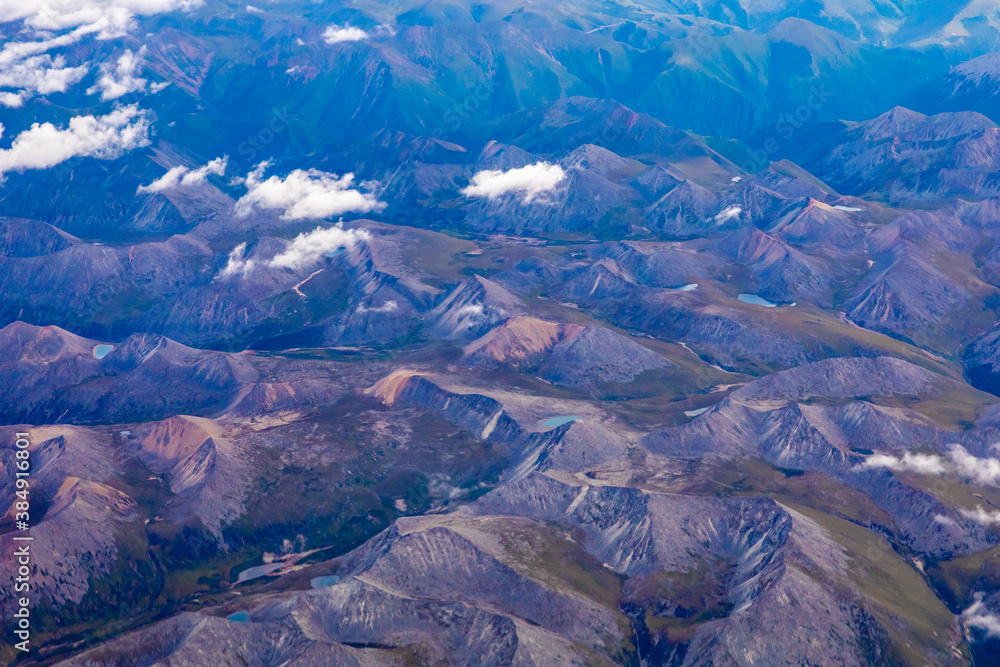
[(254, 10), (106, 137), (119, 78), (215, 167), (41, 74), (305, 195), (982, 515), (105, 25), (531, 181), (168, 181), (237, 264), (985, 471), (980, 471), (305, 249), (728, 214), (473, 310), (335, 34), (63, 14), (387, 307), (182, 177), (309, 247), (27, 65), (924, 464), (979, 616), (103, 19), (469, 316), (12, 100)]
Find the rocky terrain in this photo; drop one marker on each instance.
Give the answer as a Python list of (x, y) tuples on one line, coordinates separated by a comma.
[(446, 333)]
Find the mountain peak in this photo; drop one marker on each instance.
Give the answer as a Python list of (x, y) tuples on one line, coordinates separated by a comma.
[(894, 122)]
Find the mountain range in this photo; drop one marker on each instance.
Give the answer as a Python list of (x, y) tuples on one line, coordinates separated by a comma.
[(443, 333)]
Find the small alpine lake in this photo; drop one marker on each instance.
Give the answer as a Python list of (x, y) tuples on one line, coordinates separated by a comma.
[(553, 422)]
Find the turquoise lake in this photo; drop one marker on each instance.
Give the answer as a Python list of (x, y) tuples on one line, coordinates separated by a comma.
[(757, 300), (102, 351), (324, 582), (552, 422)]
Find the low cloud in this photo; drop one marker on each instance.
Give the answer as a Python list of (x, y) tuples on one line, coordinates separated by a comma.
[(12, 100), (981, 471), (924, 464), (103, 22), (979, 616), (238, 264), (308, 248), (119, 78), (52, 24), (530, 181), (469, 316), (75, 20), (40, 74), (728, 214), (106, 137), (982, 515), (335, 34), (305, 195), (304, 250), (182, 177), (63, 14), (387, 307)]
